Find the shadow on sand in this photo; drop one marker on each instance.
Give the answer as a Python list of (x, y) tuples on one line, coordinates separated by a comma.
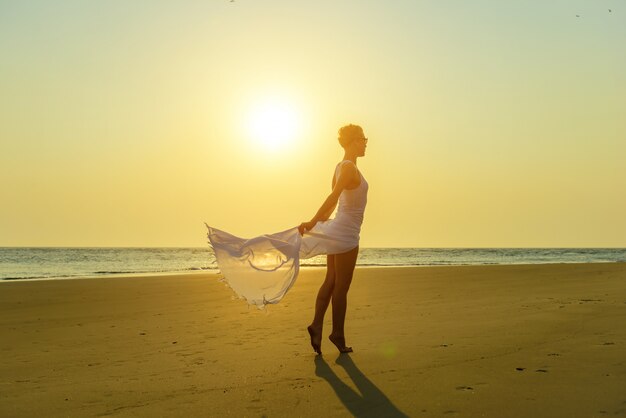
[(370, 403)]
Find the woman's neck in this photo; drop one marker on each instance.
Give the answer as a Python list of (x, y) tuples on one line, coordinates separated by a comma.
[(350, 156)]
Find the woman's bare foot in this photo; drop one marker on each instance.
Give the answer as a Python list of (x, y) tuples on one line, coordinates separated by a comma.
[(340, 342), (316, 338)]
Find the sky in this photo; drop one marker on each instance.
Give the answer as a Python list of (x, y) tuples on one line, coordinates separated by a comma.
[(490, 123)]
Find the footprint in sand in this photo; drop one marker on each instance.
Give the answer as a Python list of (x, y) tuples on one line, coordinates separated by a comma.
[(464, 388), (541, 371)]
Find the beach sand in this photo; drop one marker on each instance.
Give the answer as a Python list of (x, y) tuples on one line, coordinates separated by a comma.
[(466, 341)]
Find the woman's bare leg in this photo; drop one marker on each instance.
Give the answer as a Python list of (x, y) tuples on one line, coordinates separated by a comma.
[(321, 304), (344, 269)]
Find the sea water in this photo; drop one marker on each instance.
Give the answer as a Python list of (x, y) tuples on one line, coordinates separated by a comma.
[(22, 263)]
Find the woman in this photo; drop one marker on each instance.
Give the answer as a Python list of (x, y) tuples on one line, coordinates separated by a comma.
[(340, 235), (262, 269)]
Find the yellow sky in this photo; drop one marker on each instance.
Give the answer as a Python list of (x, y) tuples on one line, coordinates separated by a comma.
[(490, 125)]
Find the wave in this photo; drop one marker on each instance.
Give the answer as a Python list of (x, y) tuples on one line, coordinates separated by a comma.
[(60, 263), (155, 270), (106, 272), (460, 263), (65, 276)]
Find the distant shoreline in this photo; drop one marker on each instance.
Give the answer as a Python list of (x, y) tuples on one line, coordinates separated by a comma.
[(215, 272)]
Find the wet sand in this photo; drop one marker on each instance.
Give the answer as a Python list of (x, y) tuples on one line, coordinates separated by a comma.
[(466, 341)]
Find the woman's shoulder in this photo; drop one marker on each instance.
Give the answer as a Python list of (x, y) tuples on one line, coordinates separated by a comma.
[(346, 163), (346, 167)]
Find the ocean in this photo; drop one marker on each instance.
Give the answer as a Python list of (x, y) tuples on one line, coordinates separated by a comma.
[(22, 263)]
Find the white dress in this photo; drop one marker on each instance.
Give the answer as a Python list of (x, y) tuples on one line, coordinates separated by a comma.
[(262, 269)]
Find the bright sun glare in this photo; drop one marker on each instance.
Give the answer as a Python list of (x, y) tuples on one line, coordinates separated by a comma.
[(273, 124)]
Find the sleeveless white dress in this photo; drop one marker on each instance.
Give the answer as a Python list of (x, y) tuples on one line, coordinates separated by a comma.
[(262, 269)]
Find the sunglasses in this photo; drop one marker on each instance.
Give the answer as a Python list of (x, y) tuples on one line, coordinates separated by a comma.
[(364, 139)]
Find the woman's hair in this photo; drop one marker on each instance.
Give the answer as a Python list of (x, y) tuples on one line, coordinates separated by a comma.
[(348, 133)]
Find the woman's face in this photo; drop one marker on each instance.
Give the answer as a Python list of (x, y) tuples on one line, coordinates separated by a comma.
[(360, 144)]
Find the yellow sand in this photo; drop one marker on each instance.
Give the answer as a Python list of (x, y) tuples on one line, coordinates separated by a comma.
[(494, 341)]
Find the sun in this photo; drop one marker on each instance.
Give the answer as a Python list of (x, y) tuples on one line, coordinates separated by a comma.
[(273, 123)]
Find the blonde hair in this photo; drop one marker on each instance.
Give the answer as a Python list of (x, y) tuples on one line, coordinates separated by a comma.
[(349, 133)]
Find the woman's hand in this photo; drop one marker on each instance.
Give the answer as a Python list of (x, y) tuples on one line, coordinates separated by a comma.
[(306, 226)]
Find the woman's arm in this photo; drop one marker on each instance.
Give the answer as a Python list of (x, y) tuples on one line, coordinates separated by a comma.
[(327, 214), (347, 174), (330, 211)]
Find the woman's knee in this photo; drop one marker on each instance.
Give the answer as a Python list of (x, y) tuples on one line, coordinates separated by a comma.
[(330, 278), (343, 278), (328, 287), (342, 283)]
